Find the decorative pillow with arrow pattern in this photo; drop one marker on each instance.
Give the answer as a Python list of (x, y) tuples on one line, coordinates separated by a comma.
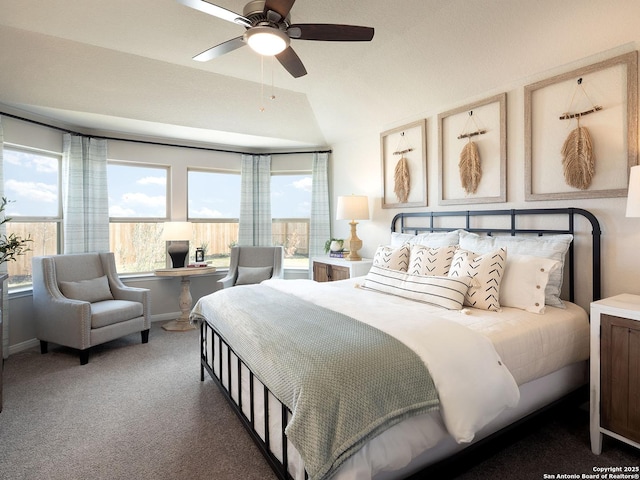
[(487, 271), (430, 261), (393, 258)]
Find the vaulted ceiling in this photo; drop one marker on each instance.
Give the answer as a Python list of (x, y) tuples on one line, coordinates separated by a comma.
[(126, 67)]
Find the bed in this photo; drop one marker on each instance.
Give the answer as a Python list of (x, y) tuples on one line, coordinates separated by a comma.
[(341, 366)]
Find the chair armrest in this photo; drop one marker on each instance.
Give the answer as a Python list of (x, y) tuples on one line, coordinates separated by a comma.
[(63, 320), (228, 281), (124, 292)]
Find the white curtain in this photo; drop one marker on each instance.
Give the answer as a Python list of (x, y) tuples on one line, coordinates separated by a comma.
[(255, 201), (85, 203), (4, 266), (320, 223)]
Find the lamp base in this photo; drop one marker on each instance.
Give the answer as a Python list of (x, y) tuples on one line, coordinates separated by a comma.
[(354, 243), (178, 251)]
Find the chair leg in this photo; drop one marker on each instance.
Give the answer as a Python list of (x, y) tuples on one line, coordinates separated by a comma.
[(145, 336), (84, 356), (44, 346)]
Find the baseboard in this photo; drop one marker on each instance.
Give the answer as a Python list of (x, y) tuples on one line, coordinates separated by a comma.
[(22, 346), (34, 342)]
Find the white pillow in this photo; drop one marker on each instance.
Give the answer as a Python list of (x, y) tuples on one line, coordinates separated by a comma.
[(553, 247), (394, 258), (524, 282), (487, 271), (93, 290), (430, 261), (430, 239), (446, 292)]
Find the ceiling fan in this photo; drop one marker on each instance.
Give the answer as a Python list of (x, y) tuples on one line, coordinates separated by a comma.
[(269, 31)]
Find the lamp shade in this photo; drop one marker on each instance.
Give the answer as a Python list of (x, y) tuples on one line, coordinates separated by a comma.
[(353, 207), (174, 231), (633, 197)]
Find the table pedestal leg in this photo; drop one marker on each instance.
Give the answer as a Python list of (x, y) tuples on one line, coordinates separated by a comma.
[(182, 324)]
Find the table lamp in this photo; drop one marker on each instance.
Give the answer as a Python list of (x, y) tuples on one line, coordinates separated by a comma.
[(178, 235), (633, 196), (353, 207)]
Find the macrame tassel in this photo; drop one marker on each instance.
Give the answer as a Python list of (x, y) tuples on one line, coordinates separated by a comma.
[(402, 180), (578, 159), (470, 170)]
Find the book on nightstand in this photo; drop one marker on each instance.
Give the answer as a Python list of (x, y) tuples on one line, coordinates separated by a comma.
[(198, 264)]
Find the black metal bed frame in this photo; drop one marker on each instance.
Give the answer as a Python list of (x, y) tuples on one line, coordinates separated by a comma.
[(213, 347)]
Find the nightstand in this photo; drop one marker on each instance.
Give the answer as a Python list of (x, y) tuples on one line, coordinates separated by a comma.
[(329, 269), (615, 370)]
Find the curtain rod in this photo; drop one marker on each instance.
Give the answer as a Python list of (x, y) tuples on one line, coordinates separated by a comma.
[(149, 142)]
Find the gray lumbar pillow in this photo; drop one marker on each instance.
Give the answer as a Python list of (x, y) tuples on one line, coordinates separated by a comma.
[(94, 290), (249, 275)]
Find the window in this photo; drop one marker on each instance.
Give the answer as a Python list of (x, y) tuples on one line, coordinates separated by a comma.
[(32, 185), (291, 211), (137, 212), (214, 209)]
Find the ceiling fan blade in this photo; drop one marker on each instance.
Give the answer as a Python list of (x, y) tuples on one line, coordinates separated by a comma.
[(281, 7), (221, 49), (291, 62), (217, 11), (330, 32)]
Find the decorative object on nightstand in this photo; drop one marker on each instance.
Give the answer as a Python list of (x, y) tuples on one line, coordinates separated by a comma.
[(615, 376), (178, 235), (353, 207)]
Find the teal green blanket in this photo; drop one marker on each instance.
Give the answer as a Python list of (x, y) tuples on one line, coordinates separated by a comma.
[(344, 381)]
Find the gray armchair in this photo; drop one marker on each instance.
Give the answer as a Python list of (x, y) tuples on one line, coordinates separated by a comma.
[(249, 265), (80, 301)]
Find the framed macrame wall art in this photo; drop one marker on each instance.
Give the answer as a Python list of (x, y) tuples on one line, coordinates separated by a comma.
[(581, 131), (473, 153), (404, 166)]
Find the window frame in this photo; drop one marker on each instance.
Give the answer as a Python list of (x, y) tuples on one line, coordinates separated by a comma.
[(167, 207), (141, 220), (307, 220), (203, 220), (57, 219)]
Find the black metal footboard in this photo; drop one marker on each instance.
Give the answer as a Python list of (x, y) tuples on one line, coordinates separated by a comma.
[(256, 412)]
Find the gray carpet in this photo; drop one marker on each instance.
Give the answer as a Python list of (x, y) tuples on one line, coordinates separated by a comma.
[(136, 411), (140, 412)]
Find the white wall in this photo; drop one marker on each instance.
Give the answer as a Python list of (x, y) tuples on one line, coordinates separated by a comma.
[(357, 169)]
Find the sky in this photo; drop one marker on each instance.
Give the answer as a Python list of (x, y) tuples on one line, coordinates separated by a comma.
[(31, 184)]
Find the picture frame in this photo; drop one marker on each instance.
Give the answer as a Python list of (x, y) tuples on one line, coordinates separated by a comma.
[(489, 134), (612, 122), (411, 139), (199, 255)]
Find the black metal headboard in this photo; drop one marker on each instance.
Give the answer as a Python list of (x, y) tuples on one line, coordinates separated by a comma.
[(414, 222)]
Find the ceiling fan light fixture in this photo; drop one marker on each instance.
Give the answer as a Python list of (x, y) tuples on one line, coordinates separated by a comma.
[(266, 40)]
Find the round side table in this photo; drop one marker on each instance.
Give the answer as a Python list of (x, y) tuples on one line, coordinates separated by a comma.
[(185, 300)]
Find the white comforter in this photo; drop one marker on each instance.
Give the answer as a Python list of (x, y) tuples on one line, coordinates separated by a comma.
[(473, 384), (466, 353)]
